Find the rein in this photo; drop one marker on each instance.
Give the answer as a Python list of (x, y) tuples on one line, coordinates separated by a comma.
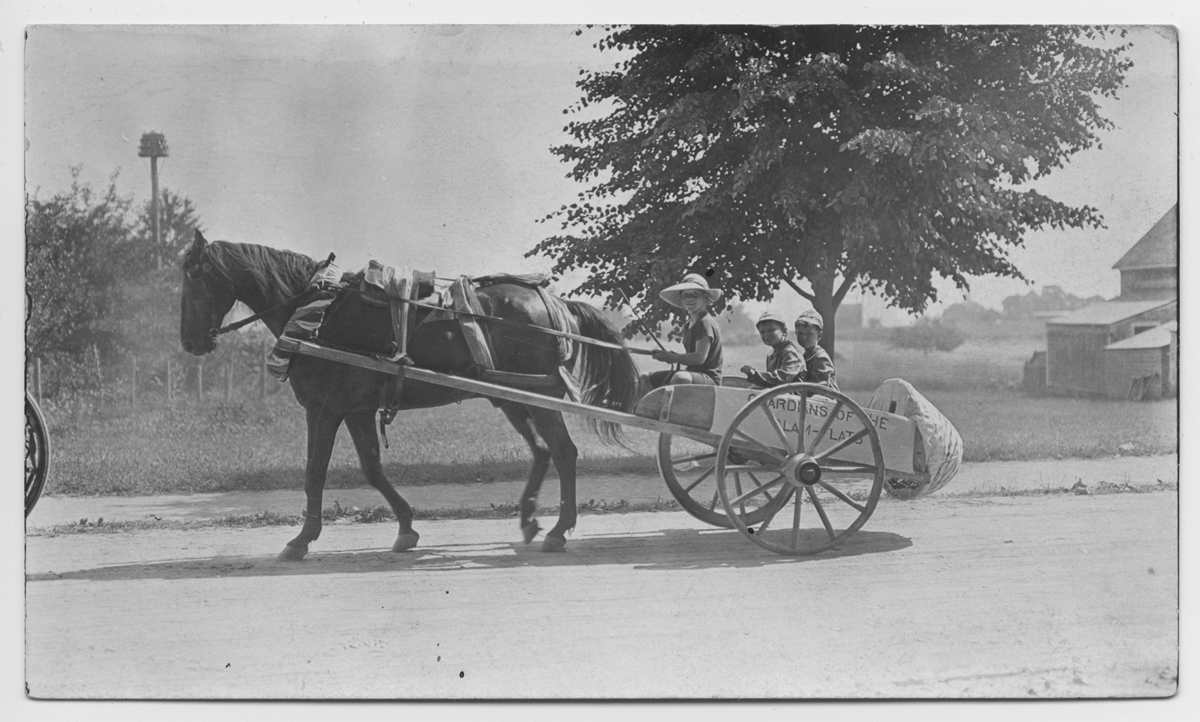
[(517, 324), (297, 299)]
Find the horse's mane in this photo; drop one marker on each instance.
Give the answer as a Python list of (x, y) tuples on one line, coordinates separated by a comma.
[(271, 274)]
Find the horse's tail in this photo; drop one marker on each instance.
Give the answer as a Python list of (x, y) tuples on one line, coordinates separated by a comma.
[(607, 377)]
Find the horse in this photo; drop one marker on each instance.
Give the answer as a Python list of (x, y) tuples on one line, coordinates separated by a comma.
[(268, 280)]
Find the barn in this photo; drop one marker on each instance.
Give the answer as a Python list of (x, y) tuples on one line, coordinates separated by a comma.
[(1140, 367), (1081, 344), (1077, 342)]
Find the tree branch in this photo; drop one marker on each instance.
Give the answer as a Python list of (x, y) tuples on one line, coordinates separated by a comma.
[(799, 290), (847, 282)]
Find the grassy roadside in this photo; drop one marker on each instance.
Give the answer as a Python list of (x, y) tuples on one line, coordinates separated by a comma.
[(260, 447), (378, 514), (255, 445)]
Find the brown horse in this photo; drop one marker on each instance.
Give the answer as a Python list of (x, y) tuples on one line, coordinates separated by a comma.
[(219, 273)]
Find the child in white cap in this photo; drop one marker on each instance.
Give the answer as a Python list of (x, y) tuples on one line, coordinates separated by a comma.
[(818, 367), (784, 362), (702, 357)]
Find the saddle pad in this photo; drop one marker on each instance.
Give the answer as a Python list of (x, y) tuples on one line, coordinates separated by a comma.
[(305, 321), (533, 280)]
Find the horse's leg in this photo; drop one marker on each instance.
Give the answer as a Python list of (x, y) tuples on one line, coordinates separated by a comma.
[(551, 426), (322, 433), (518, 416), (366, 441)]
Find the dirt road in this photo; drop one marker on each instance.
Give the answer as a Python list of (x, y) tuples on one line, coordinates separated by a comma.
[(1065, 596)]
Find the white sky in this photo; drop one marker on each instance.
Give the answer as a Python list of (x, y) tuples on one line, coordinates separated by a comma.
[(428, 145)]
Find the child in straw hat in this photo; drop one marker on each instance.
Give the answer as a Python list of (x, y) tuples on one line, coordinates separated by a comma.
[(784, 362), (702, 352), (818, 367)]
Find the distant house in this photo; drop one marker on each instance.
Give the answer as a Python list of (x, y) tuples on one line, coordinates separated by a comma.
[(1076, 342), (1150, 270), (1143, 365), (1120, 347)]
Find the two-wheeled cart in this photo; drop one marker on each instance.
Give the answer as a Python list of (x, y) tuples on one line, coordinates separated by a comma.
[(797, 469)]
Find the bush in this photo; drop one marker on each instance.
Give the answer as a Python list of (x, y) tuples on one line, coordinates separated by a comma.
[(928, 335)]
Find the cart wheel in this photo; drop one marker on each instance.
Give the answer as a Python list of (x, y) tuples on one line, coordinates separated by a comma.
[(689, 468), (822, 496), (37, 453)]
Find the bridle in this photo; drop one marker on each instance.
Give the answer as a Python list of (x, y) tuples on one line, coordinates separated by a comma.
[(202, 272)]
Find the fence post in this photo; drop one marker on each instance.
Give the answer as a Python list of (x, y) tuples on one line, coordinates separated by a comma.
[(262, 378), (200, 381), (228, 380), (170, 387), (133, 383), (37, 379)]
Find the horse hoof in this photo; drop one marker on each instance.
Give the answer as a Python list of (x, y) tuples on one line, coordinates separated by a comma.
[(404, 542), (292, 554), (554, 544), (530, 530)]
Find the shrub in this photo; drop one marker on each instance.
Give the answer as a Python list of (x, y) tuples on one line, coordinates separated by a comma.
[(928, 335)]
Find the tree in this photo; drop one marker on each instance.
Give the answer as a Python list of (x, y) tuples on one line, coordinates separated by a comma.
[(93, 283), (928, 335), (824, 157), (75, 251)]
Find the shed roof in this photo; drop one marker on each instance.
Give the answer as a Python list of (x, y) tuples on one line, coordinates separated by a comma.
[(1159, 248), (1154, 338), (1108, 312)]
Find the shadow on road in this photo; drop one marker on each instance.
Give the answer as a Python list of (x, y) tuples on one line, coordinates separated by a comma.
[(669, 549)]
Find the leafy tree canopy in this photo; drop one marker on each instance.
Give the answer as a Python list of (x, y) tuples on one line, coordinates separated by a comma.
[(825, 156), (93, 276)]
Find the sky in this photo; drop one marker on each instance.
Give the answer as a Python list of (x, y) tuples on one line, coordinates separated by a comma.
[(429, 145)]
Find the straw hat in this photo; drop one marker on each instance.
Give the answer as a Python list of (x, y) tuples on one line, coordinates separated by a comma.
[(691, 282), (811, 317), (771, 316)]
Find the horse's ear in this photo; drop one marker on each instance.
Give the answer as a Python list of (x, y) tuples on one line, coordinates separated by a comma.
[(198, 243)]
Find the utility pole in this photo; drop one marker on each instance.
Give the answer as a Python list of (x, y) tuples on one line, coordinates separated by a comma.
[(154, 146)]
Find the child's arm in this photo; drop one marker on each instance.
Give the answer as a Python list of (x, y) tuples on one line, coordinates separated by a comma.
[(790, 365), (686, 359)]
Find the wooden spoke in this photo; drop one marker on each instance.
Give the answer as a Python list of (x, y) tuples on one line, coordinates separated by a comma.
[(696, 457), (758, 484), (846, 473), (824, 427), (842, 444), (712, 505), (839, 494), (767, 522), (737, 485), (787, 443), (821, 511), (748, 468), (701, 478), (803, 421), (796, 525), (756, 490), (761, 447)]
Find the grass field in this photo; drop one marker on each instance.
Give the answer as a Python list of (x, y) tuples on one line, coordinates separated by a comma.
[(260, 446)]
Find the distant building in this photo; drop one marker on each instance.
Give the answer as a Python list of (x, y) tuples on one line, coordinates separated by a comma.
[(1077, 342), (1121, 348), (1150, 270)]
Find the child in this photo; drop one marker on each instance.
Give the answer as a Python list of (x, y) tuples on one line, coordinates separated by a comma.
[(702, 357), (818, 367), (784, 362)]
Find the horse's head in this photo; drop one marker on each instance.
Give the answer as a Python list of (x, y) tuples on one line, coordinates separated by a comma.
[(205, 300)]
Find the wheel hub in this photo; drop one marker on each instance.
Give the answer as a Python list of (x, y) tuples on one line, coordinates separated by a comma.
[(802, 469)]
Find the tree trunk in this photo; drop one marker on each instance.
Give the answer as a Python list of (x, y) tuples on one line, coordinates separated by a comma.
[(824, 303)]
